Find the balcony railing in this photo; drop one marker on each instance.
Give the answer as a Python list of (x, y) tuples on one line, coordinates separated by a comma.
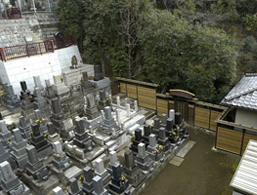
[(13, 13), (8, 53), (63, 42)]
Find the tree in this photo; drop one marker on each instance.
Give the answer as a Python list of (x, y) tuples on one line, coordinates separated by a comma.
[(201, 12), (194, 58), (131, 20), (71, 15)]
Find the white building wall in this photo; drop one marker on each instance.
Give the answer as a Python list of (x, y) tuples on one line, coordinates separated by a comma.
[(246, 117), (3, 74), (45, 66)]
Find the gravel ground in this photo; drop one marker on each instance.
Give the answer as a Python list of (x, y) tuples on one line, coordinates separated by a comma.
[(203, 171)]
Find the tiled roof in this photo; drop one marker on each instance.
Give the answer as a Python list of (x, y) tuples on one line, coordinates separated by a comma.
[(244, 94)]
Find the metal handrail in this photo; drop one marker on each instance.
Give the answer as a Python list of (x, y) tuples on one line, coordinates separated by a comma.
[(18, 51)]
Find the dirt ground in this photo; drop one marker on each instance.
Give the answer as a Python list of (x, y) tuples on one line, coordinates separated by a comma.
[(203, 171)]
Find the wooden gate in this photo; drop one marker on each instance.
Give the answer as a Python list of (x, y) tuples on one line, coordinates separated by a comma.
[(147, 97), (132, 91), (190, 118), (162, 107), (181, 107), (202, 117), (229, 140)]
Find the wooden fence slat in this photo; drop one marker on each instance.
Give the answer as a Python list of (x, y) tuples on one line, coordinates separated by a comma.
[(132, 91), (123, 88), (247, 137), (202, 117), (162, 107), (229, 140), (214, 116), (147, 97)]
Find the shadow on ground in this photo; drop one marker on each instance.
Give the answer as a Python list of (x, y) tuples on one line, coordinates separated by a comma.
[(203, 171)]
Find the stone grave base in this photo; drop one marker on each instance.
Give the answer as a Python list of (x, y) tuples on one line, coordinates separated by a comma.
[(14, 109), (59, 172), (101, 138), (94, 123), (95, 153), (72, 172), (105, 82), (130, 190), (40, 187)]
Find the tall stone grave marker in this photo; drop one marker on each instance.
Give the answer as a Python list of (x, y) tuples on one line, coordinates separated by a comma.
[(163, 140), (131, 171), (156, 127), (118, 182), (19, 149), (37, 83), (138, 140), (82, 139), (91, 110), (108, 124), (42, 122), (154, 150), (172, 114), (147, 132), (163, 120), (74, 187), (12, 101), (178, 118), (87, 86), (98, 186), (113, 161), (102, 172), (24, 127), (88, 186), (6, 135), (60, 160), (38, 140), (59, 88), (143, 161), (98, 73), (35, 167), (10, 183), (4, 155)]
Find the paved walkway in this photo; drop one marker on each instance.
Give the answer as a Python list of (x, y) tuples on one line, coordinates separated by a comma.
[(199, 170)]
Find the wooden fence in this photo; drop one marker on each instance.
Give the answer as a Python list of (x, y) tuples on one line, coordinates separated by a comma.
[(233, 137), (230, 137)]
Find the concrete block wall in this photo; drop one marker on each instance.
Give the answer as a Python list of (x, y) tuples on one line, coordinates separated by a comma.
[(65, 55), (45, 66)]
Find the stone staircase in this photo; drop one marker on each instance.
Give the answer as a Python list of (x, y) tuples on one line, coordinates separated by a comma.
[(41, 26)]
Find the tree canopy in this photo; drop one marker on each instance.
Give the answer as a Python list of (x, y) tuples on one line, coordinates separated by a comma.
[(174, 43)]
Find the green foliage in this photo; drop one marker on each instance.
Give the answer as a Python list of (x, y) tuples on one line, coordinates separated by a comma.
[(249, 44), (250, 22), (71, 19), (194, 58), (179, 54)]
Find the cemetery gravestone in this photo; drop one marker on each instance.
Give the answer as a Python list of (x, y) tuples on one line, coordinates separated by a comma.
[(118, 182), (138, 140), (10, 183), (143, 161)]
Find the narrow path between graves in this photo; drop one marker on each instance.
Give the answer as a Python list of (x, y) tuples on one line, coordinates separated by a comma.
[(200, 171)]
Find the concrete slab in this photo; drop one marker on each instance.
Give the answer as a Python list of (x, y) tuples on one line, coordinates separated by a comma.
[(72, 172), (176, 161), (182, 153)]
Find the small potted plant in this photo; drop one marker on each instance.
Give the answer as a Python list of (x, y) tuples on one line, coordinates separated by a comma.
[(132, 138)]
